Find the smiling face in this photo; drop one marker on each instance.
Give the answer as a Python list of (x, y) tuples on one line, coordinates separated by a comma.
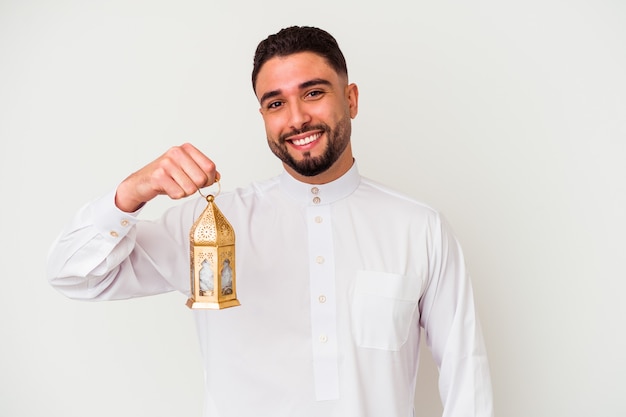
[(307, 108)]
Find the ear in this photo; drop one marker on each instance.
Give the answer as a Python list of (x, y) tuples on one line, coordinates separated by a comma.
[(352, 96)]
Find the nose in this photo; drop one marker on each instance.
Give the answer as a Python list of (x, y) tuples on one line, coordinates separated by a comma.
[(298, 115)]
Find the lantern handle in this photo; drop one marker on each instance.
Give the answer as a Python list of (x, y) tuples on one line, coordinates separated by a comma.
[(211, 196)]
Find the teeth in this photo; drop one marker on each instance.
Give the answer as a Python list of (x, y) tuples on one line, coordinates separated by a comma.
[(307, 140)]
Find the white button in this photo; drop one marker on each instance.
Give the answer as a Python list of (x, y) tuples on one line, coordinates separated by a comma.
[(114, 233), (124, 223), (322, 299), (323, 338), (317, 200), (315, 190), (319, 259), (318, 219)]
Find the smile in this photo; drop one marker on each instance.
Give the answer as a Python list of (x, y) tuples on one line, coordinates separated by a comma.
[(306, 140)]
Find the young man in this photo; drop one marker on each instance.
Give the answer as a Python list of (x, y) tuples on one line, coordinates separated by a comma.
[(337, 272)]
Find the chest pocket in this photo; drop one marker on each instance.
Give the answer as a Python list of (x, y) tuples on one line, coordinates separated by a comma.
[(384, 307)]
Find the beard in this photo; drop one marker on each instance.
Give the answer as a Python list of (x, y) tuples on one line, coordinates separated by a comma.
[(309, 166)]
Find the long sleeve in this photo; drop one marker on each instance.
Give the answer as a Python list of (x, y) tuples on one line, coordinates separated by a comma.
[(329, 291), (453, 331), (107, 254)]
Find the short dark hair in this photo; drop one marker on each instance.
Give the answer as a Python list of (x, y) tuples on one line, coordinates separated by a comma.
[(296, 39)]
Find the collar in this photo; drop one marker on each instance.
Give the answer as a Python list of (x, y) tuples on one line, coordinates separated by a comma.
[(317, 194)]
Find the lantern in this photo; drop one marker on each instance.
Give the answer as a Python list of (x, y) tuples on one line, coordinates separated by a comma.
[(212, 252)]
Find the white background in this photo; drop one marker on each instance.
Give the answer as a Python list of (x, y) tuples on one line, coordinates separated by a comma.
[(508, 116)]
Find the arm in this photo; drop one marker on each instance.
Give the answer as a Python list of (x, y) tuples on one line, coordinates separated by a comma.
[(106, 253), (453, 331)]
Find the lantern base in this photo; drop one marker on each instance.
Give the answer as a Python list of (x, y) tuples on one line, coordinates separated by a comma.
[(191, 303)]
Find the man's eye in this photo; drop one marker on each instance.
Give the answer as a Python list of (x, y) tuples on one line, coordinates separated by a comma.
[(274, 104), (315, 93)]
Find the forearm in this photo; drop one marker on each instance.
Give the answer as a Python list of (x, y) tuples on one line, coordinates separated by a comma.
[(101, 255), (454, 334)]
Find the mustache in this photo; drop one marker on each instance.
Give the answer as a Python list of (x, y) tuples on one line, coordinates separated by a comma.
[(321, 127)]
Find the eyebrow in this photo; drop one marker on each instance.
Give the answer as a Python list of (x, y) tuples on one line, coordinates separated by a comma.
[(306, 84)]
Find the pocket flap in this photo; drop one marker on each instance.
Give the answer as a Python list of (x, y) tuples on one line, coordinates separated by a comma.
[(388, 285)]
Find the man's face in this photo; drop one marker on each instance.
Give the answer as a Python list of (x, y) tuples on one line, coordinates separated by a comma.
[(307, 107)]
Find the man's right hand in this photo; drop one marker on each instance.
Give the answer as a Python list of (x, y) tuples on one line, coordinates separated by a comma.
[(178, 173)]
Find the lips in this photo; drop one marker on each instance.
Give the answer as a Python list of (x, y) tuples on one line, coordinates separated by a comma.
[(306, 140)]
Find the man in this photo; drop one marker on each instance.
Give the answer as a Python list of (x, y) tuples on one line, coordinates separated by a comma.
[(336, 273)]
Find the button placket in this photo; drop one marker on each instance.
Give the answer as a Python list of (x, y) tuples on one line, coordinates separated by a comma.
[(322, 300)]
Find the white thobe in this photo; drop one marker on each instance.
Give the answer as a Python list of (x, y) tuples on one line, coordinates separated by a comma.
[(335, 281)]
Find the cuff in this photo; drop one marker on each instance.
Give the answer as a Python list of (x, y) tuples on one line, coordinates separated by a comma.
[(112, 222)]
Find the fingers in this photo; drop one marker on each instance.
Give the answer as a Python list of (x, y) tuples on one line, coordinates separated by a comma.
[(178, 173), (182, 170), (207, 174)]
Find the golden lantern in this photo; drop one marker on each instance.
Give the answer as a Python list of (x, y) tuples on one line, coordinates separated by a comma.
[(212, 252)]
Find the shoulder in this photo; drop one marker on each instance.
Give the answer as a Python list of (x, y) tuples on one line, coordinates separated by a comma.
[(249, 198), (384, 195), (254, 190)]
